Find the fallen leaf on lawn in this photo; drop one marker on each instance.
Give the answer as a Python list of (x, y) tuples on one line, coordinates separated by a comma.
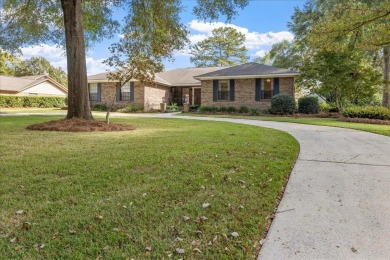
[(203, 218), (72, 232), (197, 250), (195, 243), (144, 194), (209, 243), (202, 187), (180, 250), (185, 218), (14, 240), (206, 205), (262, 241), (19, 212), (106, 247), (98, 217), (241, 207), (148, 248), (242, 181), (198, 233), (178, 239), (234, 234), (39, 246), (18, 248), (215, 239), (26, 226), (115, 229)]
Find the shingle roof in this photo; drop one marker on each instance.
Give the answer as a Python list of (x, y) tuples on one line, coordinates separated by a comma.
[(185, 76), (103, 77), (247, 69), (17, 84)]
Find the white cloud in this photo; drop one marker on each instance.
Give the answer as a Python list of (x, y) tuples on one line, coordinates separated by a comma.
[(253, 39), (260, 53), (56, 56)]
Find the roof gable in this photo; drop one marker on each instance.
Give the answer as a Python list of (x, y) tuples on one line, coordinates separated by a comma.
[(18, 84)]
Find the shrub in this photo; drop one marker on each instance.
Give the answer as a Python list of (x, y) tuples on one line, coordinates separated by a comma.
[(223, 109), (99, 107), (231, 110), (243, 110), (21, 101), (328, 107), (254, 112), (193, 107), (172, 107), (308, 105), (132, 108), (282, 104), (204, 109), (370, 112)]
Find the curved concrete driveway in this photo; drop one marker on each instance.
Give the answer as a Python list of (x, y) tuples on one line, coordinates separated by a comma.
[(337, 201)]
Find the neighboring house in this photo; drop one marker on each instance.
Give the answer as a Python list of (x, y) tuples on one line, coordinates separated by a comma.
[(40, 85), (250, 84)]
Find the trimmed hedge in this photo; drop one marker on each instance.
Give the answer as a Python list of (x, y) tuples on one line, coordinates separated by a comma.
[(28, 101), (370, 112), (282, 104), (308, 105)]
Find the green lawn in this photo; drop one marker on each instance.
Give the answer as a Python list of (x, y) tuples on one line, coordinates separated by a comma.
[(112, 195), (373, 128)]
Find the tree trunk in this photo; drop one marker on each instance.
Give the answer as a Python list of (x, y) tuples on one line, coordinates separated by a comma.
[(386, 73), (78, 96)]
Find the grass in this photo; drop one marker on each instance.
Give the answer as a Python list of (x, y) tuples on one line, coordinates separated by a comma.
[(372, 128), (112, 195), (16, 110)]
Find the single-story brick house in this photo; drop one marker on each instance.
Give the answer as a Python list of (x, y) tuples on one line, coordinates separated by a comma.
[(40, 85), (250, 84)]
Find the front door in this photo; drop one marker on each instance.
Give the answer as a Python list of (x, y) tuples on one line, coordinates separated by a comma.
[(197, 96)]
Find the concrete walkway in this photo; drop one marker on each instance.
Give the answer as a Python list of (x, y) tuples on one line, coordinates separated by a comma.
[(337, 201)]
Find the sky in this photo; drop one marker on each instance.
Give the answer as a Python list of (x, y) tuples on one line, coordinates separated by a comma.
[(264, 22)]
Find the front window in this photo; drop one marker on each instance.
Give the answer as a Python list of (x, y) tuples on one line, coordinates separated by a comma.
[(93, 92), (267, 89), (125, 92), (223, 90)]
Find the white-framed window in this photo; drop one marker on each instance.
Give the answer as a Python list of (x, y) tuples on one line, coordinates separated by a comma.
[(267, 88), (125, 92), (223, 90), (93, 92)]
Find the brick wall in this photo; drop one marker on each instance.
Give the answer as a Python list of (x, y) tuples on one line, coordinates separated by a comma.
[(244, 93), (154, 96), (109, 91)]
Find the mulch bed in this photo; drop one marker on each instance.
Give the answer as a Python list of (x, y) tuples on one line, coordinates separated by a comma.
[(79, 125), (365, 120)]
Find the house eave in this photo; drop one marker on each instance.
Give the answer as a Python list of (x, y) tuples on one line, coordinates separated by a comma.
[(248, 76)]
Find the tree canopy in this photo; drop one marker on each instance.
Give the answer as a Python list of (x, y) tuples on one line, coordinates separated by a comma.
[(151, 30), (11, 65), (224, 48)]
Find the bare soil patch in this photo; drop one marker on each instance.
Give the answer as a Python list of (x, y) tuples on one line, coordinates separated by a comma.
[(79, 125)]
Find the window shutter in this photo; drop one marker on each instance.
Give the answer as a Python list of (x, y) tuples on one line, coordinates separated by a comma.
[(118, 92), (131, 91), (232, 90), (99, 92), (215, 90), (276, 86), (258, 90)]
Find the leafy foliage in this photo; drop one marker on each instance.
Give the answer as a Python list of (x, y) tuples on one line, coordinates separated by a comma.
[(308, 105), (370, 112), (213, 9), (224, 48), (282, 104), (20, 101), (132, 108)]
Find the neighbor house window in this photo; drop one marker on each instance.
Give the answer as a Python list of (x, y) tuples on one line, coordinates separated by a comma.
[(223, 90), (126, 92), (266, 88), (93, 92)]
